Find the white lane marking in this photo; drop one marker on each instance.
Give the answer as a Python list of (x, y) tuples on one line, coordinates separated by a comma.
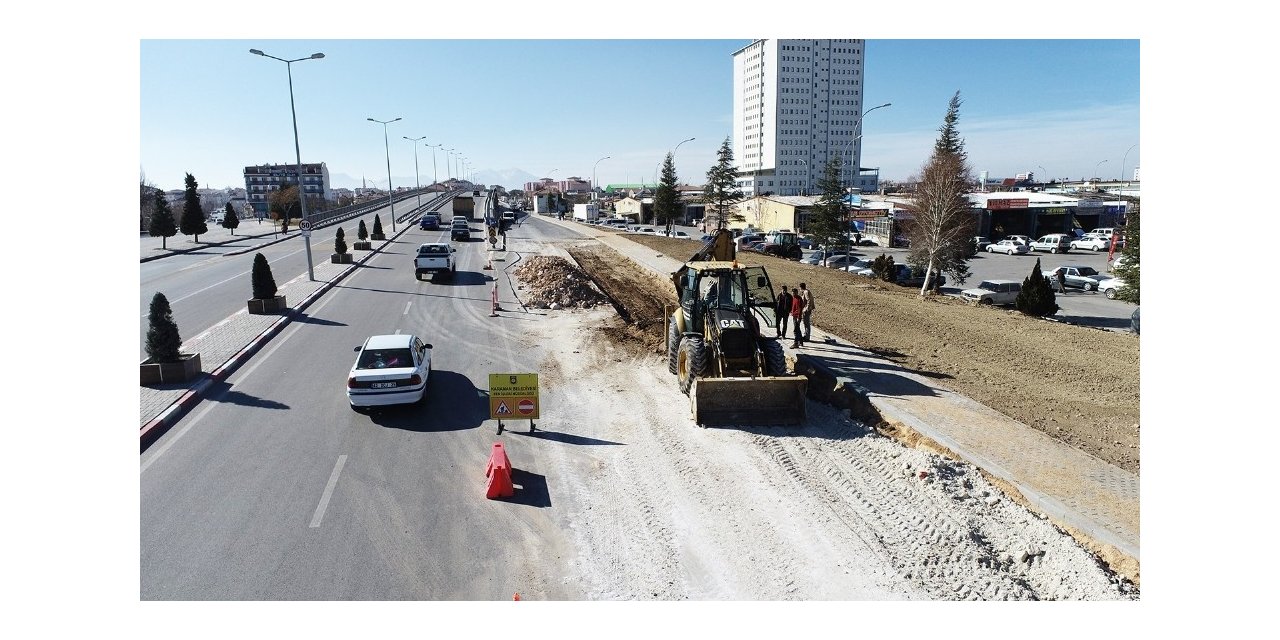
[(257, 362), (406, 307), (222, 282), (328, 491)]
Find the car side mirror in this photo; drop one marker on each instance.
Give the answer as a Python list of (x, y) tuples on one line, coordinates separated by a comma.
[(427, 345), (357, 348)]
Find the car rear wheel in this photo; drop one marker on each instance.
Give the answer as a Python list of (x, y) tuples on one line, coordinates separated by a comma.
[(1010, 252), (985, 302), (1110, 293)]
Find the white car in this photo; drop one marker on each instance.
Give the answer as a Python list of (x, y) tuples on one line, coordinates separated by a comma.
[(391, 369), (993, 292), (859, 266), (1091, 242), (646, 230), (1008, 246), (1109, 286)]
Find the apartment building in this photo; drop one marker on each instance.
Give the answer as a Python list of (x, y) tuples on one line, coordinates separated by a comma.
[(261, 180), (796, 104)]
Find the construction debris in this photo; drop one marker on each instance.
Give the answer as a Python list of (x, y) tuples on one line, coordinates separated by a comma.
[(551, 282)]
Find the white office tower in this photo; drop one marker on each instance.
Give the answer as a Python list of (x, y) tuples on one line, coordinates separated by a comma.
[(796, 103)]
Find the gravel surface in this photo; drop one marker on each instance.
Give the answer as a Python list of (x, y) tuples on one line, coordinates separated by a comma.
[(662, 510)]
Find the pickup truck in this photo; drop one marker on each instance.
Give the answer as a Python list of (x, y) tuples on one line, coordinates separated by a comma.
[(434, 258)]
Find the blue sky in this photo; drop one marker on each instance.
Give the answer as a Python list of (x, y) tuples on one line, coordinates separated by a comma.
[(555, 107)]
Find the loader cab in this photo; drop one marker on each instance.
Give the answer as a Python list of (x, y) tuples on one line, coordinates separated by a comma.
[(744, 289)]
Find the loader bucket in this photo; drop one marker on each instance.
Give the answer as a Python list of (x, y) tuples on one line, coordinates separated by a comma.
[(749, 401)]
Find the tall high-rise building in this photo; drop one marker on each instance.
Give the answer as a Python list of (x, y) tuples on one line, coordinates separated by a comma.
[(796, 103)]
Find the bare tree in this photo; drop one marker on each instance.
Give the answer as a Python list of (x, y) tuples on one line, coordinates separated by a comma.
[(944, 222)]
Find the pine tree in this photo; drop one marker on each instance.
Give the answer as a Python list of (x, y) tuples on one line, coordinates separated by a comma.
[(666, 202), (377, 226), (827, 224), (339, 242), (943, 227), (264, 284), (163, 341), (722, 187), (229, 219), (1037, 297), (1130, 270), (192, 223), (362, 233), (162, 223)]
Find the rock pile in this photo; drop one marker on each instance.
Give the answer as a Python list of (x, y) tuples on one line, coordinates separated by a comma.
[(551, 282)]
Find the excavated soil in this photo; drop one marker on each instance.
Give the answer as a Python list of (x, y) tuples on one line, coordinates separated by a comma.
[(1077, 384)]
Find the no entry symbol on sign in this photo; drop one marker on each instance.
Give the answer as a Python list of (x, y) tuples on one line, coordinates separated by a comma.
[(526, 407)]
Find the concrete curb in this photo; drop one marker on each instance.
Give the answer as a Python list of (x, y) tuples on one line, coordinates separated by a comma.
[(838, 391), (158, 426)]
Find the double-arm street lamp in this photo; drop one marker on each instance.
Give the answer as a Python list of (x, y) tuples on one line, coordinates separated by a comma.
[(390, 201), (593, 176), (302, 198), (857, 126), (416, 182), (435, 177)]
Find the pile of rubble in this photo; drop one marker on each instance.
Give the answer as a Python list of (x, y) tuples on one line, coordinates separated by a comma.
[(551, 282)]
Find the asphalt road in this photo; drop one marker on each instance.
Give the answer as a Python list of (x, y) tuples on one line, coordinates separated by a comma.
[(275, 489), (204, 287)]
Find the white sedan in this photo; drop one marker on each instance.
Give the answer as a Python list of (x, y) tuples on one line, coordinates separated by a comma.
[(1008, 246), (1092, 242), (391, 369)]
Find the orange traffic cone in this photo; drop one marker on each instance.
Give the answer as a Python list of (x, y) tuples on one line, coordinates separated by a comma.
[(499, 472), (516, 598)]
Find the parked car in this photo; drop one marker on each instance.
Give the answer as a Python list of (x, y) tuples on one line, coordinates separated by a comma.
[(1116, 262), (1008, 246), (993, 292), (391, 369), (646, 230), (1020, 239), (982, 242), (757, 247), (1075, 276), (674, 234), (841, 261), (1091, 242), (1109, 286), (859, 266), (1052, 243), (909, 276)]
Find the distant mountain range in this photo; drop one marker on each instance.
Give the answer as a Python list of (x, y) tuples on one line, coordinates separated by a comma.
[(508, 178)]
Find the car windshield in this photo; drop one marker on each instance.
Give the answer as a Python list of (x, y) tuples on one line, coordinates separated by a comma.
[(1088, 271), (384, 359), (989, 286)]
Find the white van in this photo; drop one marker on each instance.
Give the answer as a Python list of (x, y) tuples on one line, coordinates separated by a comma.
[(1053, 243), (1104, 232)]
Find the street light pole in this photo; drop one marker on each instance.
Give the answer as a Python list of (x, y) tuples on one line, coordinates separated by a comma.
[(1126, 159), (1044, 171), (593, 176), (857, 126), (416, 182), (302, 197), (1095, 170), (435, 177), (390, 201)]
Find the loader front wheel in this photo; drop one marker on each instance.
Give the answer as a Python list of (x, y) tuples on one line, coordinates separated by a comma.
[(775, 359), (691, 361), (673, 344)]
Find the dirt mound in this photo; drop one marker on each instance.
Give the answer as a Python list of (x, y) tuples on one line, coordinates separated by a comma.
[(551, 282)]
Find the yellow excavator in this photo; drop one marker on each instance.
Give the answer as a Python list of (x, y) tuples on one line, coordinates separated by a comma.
[(733, 373)]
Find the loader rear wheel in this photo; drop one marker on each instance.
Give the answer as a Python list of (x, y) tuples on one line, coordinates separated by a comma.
[(691, 361), (775, 359), (673, 344)]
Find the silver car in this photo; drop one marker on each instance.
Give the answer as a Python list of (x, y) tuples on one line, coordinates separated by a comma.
[(1008, 246)]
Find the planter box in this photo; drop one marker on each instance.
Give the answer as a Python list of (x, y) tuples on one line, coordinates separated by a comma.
[(362, 246), (267, 305), (340, 258), (378, 236), (185, 369)]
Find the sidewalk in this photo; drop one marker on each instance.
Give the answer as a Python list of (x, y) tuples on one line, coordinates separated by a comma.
[(1095, 497), (228, 344)]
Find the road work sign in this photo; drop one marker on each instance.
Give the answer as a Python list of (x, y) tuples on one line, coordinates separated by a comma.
[(513, 396)]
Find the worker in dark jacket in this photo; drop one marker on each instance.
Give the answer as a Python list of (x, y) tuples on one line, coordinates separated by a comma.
[(781, 311)]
